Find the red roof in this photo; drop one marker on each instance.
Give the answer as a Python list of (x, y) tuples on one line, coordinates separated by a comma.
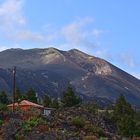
[(26, 103)]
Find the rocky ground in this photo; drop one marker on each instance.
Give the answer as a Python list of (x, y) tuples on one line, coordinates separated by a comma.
[(75, 123)]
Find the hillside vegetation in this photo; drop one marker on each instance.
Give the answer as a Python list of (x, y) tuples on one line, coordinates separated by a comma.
[(71, 119)]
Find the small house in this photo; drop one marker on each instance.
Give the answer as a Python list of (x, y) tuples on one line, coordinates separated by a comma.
[(26, 105)]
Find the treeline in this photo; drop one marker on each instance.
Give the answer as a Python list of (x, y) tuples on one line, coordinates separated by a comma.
[(29, 95), (68, 99)]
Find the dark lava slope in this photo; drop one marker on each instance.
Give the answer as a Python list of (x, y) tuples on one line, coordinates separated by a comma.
[(51, 71)]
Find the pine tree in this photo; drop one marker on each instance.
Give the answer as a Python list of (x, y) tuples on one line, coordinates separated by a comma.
[(47, 101), (3, 98), (122, 107), (31, 95), (55, 104), (69, 98), (126, 125), (124, 116)]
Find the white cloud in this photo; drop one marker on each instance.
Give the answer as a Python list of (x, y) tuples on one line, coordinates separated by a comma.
[(97, 33), (13, 23), (103, 54), (75, 34), (11, 15), (128, 59), (26, 35)]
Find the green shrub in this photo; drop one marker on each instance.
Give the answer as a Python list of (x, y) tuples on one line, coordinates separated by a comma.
[(1, 122), (137, 132), (19, 137), (3, 107), (92, 108), (96, 129), (27, 128), (102, 138), (78, 122), (29, 124)]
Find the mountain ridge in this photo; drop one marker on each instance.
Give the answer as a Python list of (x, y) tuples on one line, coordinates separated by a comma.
[(52, 70)]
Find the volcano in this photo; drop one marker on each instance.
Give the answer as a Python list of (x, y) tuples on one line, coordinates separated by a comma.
[(51, 71)]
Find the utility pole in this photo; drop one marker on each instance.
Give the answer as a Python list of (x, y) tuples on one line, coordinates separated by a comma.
[(14, 87)]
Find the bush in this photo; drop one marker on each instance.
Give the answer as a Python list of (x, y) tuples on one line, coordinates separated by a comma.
[(29, 124), (3, 98), (137, 126), (137, 130), (103, 138), (3, 107), (1, 122), (92, 108), (96, 129), (19, 137), (78, 122)]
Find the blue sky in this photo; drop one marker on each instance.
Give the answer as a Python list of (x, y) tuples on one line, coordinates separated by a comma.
[(109, 29)]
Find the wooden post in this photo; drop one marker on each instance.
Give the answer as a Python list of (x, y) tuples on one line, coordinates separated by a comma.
[(14, 87)]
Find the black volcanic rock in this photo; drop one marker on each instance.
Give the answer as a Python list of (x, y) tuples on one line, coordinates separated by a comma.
[(51, 71)]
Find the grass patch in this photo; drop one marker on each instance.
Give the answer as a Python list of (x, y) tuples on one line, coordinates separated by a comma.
[(78, 122)]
